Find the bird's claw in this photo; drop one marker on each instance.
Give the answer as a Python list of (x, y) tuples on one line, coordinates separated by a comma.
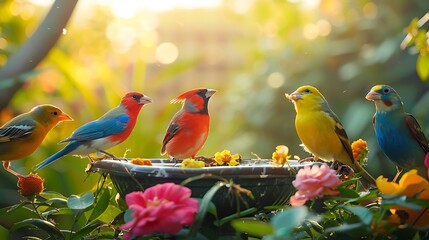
[(307, 159)]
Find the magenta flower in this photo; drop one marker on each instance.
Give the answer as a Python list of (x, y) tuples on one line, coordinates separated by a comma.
[(163, 208), (314, 182), (427, 162)]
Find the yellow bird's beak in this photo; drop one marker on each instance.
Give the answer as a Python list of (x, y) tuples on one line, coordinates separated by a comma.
[(65, 117), (373, 96), (295, 96)]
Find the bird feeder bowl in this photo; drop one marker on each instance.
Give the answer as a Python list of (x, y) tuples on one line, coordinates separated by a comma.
[(270, 185)]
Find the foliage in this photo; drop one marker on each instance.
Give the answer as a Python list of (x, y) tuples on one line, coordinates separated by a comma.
[(99, 214), (350, 215), (54, 216), (418, 37)]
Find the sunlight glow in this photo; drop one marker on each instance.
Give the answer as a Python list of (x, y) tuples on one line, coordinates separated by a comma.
[(166, 53), (307, 4), (128, 8), (241, 6), (310, 31), (26, 11), (148, 38), (125, 8), (321, 28), (324, 27), (121, 36)]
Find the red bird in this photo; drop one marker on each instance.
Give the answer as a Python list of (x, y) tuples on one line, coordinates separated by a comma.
[(189, 128), (111, 129)]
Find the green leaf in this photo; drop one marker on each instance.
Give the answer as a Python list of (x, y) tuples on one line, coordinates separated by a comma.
[(58, 211), (4, 233), (15, 207), (203, 208), (16, 215), (274, 207), (211, 208), (57, 201), (252, 227), (393, 200), (110, 214), (316, 226), (286, 221), (348, 193), (363, 213), (235, 216), (128, 215), (345, 228), (101, 205), (44, 225), (51, 194), (422, 66), (79, 203), (85, 230), (372, 194)]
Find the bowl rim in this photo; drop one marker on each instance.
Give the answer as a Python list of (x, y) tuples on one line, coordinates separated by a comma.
[(164, 168)]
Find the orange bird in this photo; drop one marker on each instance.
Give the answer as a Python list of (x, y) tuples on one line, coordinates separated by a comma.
[(189, 128), (22, 135)]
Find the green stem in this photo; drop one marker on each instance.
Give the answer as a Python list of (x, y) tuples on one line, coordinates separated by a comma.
[(35, 209)]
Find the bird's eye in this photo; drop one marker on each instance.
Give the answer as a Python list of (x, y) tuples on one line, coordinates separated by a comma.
[(307, 90), (55, 113), (386, 90), (135, 97)]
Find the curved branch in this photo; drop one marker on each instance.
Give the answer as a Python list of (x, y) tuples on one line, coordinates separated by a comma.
[(34, 49)]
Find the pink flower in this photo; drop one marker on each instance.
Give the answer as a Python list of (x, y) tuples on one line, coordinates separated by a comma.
[(314, 182), (427, 162), (163, 208)]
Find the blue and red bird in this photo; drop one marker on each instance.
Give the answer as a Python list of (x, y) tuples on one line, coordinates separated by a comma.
[(189, 128), (398, 133), (111, 129)]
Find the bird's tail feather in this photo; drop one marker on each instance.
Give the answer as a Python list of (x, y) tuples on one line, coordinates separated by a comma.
[(367, 180), (66, 150)]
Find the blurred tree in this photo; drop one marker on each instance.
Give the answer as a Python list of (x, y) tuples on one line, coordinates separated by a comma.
[(33, 51)]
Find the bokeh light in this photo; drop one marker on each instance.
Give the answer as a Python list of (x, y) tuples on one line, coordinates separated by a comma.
[(275, 80), (166, 53)]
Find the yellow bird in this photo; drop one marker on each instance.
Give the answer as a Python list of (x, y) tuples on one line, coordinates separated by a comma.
[(321, 132), (23, 134)]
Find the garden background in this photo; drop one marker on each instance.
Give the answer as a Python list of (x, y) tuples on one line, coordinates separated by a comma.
[(252, 52)]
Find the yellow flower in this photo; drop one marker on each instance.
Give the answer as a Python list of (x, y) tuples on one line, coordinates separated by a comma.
[(192, 163), (225, 157), (281, 155), (139, 161), (413, 186), (360, 151)]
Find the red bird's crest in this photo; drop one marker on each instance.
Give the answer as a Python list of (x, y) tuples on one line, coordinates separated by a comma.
[(187, 95)]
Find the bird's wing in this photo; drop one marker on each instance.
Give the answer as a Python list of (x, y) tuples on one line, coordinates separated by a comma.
[(99, 129), (342, 135), (172, 130), (416, 132), (9, 133)]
